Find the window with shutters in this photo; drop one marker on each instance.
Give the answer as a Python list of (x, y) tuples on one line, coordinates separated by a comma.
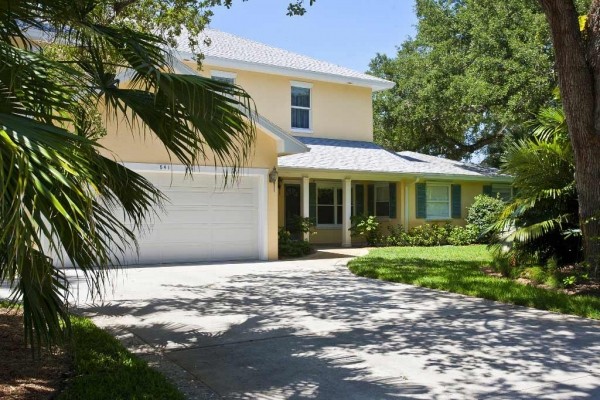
[(301, 106), (437, 201)]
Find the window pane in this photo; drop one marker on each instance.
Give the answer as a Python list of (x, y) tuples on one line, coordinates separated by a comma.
[(325, 196), (300, 97), (223, 79), (504, 191), (325, 215), (438, 193), (300, 118), (339, 214), (382, 209), (438, 210), (382, 193)]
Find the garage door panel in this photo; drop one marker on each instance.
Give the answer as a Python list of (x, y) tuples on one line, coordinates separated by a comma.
[(239, 252), (229, 215), (234, 199), (202, 220)]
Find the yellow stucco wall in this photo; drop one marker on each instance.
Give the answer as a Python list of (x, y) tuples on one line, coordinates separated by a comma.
[(338, 111), (127, 145)]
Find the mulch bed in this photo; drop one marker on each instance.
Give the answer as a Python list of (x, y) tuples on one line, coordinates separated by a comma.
[(22, 376), (588, 288)]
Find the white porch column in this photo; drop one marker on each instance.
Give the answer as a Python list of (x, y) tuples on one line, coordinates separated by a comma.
[(305, 201), (406, 205), (346, 212)]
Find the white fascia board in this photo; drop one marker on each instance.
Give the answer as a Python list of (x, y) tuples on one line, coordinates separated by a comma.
[(359, 175), (375, 84), (178, 168)]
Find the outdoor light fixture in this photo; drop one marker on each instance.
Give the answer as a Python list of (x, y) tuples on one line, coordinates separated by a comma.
[(273, 175)]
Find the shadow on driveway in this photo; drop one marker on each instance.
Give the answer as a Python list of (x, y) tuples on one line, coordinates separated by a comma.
[(308, 330)]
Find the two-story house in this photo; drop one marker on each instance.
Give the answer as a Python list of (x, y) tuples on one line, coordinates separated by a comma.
[(314, 156)]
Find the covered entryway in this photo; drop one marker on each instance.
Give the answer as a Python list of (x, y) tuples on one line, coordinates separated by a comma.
[(203, 220)]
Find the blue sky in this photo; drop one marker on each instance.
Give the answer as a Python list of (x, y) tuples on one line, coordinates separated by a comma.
[(344, 32)]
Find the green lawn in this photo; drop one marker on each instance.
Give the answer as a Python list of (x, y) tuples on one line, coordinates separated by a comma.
[(458, 269), (104, 369)]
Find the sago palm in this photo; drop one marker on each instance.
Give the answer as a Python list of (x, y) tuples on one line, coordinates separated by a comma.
[(543, 214), (58, 193)]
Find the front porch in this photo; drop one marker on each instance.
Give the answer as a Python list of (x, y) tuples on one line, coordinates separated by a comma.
[(331, 203)]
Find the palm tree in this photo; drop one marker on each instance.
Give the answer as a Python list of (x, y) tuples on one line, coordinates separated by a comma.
[(542, 218), (58, 193)]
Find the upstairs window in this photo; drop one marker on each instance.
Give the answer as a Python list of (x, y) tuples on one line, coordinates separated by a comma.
[(222, 76), (301, 104)]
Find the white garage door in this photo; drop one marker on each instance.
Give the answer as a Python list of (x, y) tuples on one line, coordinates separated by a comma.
[(202, 220)]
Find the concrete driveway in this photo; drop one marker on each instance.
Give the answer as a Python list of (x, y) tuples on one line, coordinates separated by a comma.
[(310, 329)]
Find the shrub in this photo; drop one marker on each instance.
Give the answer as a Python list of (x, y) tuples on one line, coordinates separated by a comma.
[(484, 211), (367, 226), (396, 237), (429, 235), (535, 274), (289, 247), (302, 225), (462, 236)]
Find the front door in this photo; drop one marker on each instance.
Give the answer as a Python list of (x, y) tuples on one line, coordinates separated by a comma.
[(292, 208)]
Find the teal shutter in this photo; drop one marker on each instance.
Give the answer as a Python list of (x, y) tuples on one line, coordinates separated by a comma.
[(487, 190), (360, 199), (456, 201), (371, 199), (392, 200), (312, 200), (421, 200)]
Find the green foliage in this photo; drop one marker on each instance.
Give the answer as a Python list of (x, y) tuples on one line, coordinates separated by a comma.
[(483, 213), (463, 236), (429, 235), (104, 369), (299, 224), (366, 226), (459, 270), (544, 213), (472, 75), (535, 274), (291, 248), (58, 191)]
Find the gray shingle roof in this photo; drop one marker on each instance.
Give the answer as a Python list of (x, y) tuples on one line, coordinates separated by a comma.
[(226, 46), (367, 157)]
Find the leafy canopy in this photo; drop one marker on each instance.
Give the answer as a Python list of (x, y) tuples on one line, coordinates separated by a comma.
[(474, 72)]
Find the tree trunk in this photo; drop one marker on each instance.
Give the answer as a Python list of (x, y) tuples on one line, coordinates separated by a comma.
[(577, 64)]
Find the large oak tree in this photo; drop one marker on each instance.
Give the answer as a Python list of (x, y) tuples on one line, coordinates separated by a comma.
[(577, 53)]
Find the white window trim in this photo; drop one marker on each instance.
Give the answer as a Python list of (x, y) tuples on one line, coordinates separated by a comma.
[(335, 187), (449, 217), (378, 185), (223, 74), (304, 85)]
